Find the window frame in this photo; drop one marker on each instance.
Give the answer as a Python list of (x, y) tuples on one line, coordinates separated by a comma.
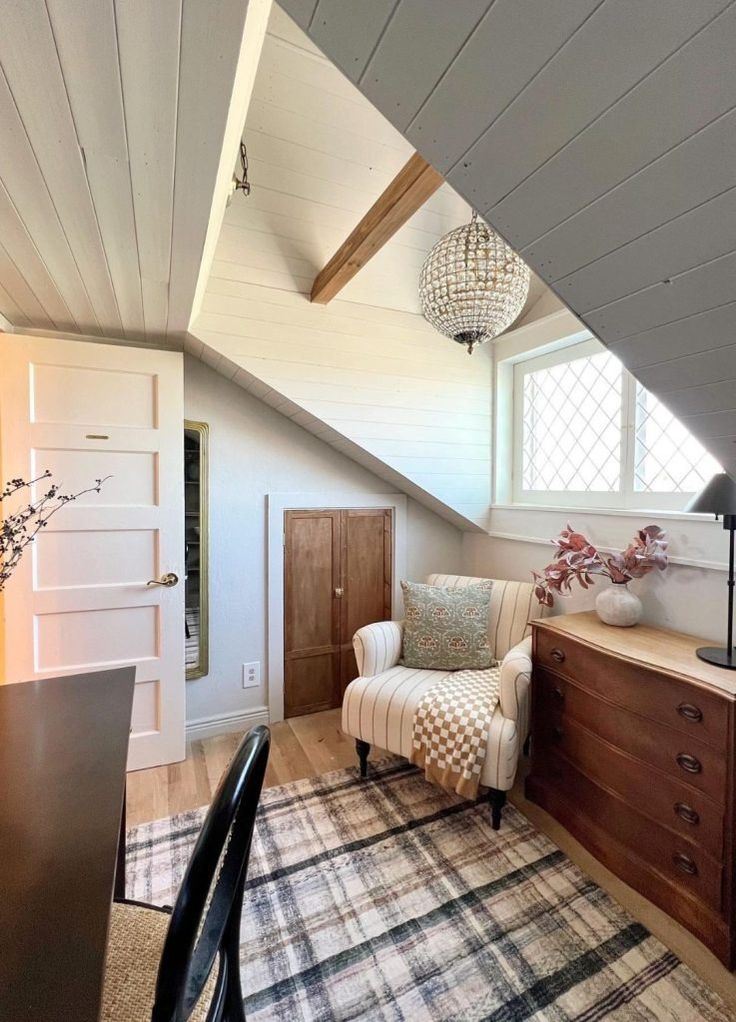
[(626, 497)]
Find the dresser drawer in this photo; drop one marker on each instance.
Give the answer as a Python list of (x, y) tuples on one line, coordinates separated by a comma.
[(667, 801), (686, 707), (688, 868), (682, 755)]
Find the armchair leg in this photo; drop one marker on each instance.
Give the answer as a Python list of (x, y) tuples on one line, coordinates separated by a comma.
[(362, 748), (498, 801)]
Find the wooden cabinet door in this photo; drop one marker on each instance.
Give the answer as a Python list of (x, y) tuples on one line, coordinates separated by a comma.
[(311, 611), (366, 579), (337, 578)]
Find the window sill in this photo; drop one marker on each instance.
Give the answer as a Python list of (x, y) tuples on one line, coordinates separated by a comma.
[(571, 509), (698, 561)]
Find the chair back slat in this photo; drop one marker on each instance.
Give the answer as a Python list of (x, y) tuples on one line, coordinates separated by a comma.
[(211, 893)]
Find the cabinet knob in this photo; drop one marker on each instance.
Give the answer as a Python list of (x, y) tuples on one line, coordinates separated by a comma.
[(686, 813), (558, 733), (690, 712), (688, 763), (685, 864), (557, 655), (558, 694)]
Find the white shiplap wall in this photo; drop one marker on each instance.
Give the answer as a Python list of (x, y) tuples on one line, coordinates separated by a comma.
[(377, 384), (365, 372)]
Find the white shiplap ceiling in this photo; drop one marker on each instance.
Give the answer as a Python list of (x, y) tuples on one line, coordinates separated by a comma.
[(599, 137), (112, 121), (319, 157)]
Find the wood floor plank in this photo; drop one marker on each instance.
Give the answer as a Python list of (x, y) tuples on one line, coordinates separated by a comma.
[(323, 742)]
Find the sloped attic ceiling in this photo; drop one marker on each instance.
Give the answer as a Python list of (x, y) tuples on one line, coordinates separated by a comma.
[(115, 157), (599, 137), (365, 372)]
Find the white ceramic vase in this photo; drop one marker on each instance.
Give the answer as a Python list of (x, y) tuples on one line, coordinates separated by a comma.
[(615, 605)]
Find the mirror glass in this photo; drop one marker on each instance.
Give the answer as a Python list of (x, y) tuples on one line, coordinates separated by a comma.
[(195, 553)]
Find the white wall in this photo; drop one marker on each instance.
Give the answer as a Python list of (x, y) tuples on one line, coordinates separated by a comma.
[(690, 596), (253, 451)]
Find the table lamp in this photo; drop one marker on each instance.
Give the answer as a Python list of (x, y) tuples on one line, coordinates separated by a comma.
[(718, 497)]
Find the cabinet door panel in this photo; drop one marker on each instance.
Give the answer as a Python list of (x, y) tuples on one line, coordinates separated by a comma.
[(311, 611), (366, 578)]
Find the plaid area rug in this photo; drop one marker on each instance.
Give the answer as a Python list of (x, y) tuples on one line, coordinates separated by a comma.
[(392, 900)]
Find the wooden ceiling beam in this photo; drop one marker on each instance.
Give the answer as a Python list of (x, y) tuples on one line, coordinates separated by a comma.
[(407, 193)]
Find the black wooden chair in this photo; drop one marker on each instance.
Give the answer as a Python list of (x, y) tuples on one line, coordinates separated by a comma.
[(182, 964)]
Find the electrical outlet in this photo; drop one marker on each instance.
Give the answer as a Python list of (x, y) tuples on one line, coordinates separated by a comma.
[(252, 674)]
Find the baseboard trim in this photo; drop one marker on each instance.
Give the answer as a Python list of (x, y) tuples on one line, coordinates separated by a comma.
[(225, 723)]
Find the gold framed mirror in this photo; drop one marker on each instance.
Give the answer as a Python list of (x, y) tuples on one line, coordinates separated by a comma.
[(196, 548)]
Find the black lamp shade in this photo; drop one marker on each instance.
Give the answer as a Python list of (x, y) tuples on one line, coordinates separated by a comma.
[(718, 497)]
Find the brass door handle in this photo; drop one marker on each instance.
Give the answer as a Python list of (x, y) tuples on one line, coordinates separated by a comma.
[(169, 580)]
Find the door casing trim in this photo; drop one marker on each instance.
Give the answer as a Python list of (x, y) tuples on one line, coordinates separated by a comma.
[(276, 504)]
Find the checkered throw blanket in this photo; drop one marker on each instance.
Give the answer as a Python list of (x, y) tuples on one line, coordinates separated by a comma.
[(451, 726)]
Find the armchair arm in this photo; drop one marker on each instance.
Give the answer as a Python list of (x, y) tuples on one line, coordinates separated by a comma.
[(516, 676), (378, 647)]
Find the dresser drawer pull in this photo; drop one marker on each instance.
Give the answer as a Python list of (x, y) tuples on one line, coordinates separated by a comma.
[(558, 733), (557, 655), (687, 813), (685, 864), (690, 712), (688, 763), (558, 694)]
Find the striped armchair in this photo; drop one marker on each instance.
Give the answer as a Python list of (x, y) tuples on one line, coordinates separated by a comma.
[(378, 708)]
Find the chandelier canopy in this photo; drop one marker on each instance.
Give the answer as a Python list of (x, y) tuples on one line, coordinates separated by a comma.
[(472, 285)]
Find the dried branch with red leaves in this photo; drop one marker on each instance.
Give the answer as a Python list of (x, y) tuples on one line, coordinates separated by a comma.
[(576, 559)]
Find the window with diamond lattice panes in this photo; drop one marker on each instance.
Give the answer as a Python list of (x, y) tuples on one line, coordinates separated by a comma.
[(667, 458), (587, 434), (572, 426)]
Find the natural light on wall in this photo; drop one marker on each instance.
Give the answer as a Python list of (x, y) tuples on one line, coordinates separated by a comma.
[(588, 434)]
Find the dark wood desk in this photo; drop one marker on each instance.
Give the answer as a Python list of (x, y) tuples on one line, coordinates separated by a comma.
[(63, 750)]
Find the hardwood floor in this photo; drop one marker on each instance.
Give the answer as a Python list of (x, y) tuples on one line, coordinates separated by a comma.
[(312, 745), (300, 747)]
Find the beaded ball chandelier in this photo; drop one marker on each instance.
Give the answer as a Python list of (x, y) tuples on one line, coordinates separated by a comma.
[(472, 285)]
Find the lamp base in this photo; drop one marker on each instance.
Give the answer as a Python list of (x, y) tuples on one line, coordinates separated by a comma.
[(718, 655)]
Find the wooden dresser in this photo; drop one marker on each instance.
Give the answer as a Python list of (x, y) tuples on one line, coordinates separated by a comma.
[(633, 752)]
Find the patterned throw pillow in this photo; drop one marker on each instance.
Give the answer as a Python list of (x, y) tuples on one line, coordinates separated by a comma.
[(446, 629)]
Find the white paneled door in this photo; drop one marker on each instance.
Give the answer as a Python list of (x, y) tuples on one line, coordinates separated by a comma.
[(81, 598)]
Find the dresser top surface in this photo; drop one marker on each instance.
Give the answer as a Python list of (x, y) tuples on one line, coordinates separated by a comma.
[(672, 652)]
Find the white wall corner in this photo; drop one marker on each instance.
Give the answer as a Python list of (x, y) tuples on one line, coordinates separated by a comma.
[(543, 335)]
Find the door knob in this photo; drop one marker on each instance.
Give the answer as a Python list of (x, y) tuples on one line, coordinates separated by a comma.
[(169, 580), (339, 592)]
